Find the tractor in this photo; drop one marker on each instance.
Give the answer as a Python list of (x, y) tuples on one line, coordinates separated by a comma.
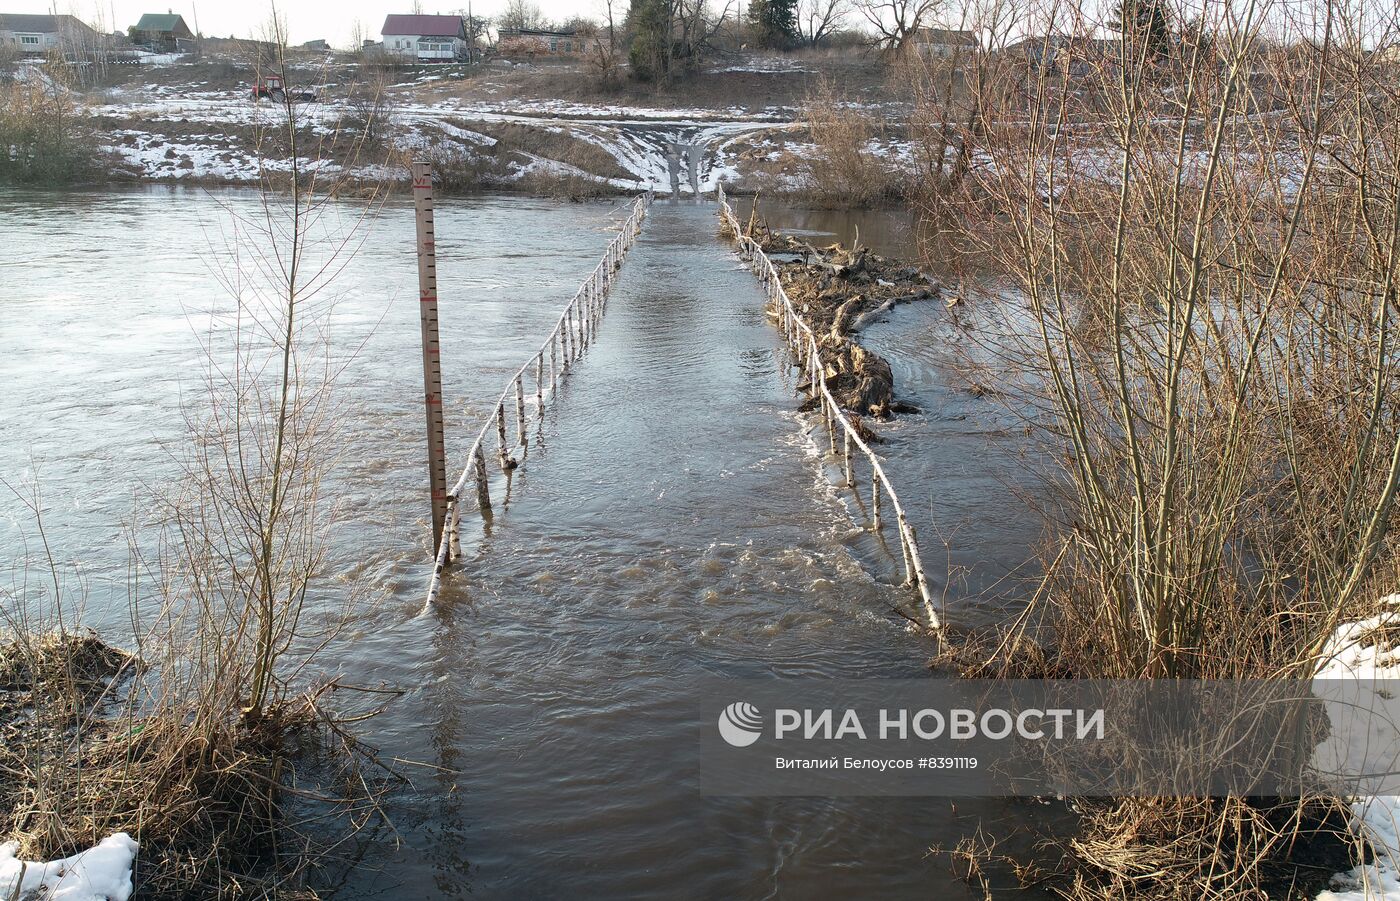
[(271, 87)]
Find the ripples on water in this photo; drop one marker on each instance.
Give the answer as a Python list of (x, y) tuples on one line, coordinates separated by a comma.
[(673, 520)]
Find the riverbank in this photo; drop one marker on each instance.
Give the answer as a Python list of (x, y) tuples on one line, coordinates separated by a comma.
[(534, 129), (127, 774)]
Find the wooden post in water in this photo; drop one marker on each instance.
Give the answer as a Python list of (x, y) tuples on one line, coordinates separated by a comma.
[(539, 384), (432, 361), (850, 472), (520, 408), (501, 434), (904, 546), (483, 486)]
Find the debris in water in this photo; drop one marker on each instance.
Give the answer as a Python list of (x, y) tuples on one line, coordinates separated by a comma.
[(839, 291)]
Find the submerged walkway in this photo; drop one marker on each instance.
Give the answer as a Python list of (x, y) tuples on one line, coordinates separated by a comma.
[(672, 521)]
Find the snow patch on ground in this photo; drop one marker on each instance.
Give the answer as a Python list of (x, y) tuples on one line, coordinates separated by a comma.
[(101, 873), (1357, 652), (775, 65), (156, 59)]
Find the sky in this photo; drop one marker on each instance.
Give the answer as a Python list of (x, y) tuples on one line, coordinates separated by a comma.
[(332, 20)]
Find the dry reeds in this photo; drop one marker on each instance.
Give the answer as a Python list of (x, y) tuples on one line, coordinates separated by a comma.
[(1209, 849)]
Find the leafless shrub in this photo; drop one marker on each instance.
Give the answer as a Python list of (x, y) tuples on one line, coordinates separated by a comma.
[(45, 137), (845, 170), (1212, 310), (1203, 243), (369, 108)]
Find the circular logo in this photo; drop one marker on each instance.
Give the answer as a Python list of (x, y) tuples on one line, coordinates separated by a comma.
[(740, 724)]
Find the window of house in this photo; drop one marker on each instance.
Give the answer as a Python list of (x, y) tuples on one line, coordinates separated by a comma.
[(29, 39), (553, 46)]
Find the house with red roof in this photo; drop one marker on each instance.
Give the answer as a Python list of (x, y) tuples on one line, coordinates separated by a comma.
[(425, 39)]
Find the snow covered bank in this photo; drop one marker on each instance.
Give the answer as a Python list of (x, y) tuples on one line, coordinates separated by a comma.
[(205, 135), (1359, 651), (101, 873)]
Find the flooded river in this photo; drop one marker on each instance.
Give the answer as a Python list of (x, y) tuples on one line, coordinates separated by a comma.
[(674, 520)]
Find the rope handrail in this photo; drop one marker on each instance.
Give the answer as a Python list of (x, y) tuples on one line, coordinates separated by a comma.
[(803, 342), (574, 330)]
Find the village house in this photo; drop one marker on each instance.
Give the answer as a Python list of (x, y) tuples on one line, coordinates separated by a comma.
[(42, 34), (1067, 56), (538, 42), (426, 39), (163, 33), (944, 43)]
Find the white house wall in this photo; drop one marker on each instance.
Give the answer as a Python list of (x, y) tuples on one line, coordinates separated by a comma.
[(406, 45)]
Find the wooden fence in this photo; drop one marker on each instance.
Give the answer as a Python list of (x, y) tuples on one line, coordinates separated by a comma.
[(806, 350), (571, 335)]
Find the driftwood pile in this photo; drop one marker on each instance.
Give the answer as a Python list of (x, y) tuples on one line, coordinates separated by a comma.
[(839, 290)]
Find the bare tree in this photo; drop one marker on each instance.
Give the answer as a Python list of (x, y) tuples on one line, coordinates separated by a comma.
[(478, 31), (818, 18), (670, 37), (521, 14), (605, 50), (254, 515), (696, 24), (896, 22)]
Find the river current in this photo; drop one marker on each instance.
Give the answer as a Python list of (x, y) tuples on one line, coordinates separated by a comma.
[(675, 520)]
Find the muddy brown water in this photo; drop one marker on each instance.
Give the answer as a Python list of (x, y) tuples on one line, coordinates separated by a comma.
[(674, 520), (889, 232)]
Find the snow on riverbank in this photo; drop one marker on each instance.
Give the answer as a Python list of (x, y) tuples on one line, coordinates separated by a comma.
[(101, 873), (207, 135), (1359, 651)]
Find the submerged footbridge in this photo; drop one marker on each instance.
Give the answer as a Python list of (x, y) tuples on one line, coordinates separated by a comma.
[(575, 330), (675, 417)]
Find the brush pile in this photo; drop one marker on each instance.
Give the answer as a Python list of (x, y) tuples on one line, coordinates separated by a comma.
[(838, 291)]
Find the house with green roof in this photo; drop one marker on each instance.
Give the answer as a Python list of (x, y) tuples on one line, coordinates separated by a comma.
[(162, 33)]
